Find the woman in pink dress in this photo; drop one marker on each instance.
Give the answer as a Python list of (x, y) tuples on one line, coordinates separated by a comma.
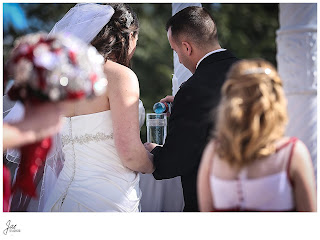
[(250, 165)]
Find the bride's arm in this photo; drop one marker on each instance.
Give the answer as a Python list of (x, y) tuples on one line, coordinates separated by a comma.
[(39, 122), (123, 94)]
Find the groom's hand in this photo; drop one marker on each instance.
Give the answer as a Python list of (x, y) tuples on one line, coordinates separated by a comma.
[(150, 146), (167, 99)]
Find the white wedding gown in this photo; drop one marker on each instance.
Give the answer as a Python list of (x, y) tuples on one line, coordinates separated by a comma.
[(91, 189), (93, 177)]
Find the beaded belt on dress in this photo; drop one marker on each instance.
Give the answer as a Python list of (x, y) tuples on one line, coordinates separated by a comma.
[(66, 139), (100, 136)]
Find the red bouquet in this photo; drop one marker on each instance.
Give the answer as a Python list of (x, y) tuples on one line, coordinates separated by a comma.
[(50, 68)]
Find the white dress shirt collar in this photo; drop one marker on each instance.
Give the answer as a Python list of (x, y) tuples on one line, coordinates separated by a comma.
[(209, 53)]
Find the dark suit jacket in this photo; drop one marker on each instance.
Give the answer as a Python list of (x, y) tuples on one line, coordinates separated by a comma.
[(191, 123)]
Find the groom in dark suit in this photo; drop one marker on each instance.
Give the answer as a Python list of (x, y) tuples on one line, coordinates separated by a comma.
[(192, 34)]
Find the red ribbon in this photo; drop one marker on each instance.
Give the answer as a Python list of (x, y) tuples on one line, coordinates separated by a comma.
[(32, 157), (6, 188)]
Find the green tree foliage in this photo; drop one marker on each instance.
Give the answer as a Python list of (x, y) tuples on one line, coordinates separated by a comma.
[(248, 30), (153, 59)]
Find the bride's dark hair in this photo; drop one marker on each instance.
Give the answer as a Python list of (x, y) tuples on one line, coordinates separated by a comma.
[(112, 42)]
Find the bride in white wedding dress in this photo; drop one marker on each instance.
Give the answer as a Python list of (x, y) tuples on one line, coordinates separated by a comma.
[(101, 139)]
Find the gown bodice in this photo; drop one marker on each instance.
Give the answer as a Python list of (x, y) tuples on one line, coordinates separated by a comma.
[(93, 177)]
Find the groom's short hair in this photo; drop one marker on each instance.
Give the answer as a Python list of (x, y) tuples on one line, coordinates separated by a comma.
[(195, 23)]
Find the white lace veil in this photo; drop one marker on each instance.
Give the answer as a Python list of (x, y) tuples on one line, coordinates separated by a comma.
[(85, 21)]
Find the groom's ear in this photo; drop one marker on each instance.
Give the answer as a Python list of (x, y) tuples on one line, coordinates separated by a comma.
[(187, 48)]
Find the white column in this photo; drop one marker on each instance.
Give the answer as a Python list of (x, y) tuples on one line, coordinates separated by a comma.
[(181, 73), (297, 65)]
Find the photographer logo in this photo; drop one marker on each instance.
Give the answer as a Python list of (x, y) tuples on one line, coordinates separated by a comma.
[(10, 228)]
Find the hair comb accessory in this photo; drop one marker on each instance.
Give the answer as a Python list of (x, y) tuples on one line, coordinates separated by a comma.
[(129, 19), (257, 71)]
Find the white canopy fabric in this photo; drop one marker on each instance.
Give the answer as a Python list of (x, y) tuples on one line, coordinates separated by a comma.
[(297, 66)]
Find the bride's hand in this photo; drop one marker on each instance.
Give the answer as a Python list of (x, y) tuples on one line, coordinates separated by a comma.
[(150, 156), (150, 146)]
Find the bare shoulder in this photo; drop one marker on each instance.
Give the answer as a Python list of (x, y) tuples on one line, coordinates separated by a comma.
[(208, 152), (301, 158), (301, 149), (117, 73), (209, 149)]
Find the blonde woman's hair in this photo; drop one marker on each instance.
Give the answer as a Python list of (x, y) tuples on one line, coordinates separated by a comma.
[(252, 113)]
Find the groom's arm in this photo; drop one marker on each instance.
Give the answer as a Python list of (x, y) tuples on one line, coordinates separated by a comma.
[(188, 127)]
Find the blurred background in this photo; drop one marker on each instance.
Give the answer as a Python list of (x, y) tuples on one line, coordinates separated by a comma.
[(248, 30)]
